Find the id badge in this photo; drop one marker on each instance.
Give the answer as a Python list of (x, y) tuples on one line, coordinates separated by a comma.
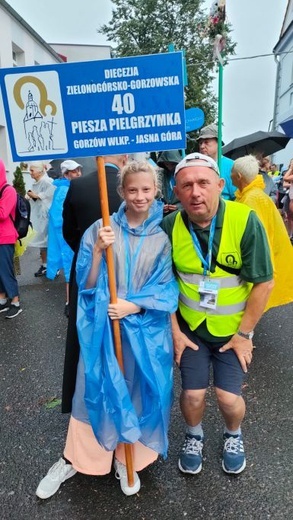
[(208, 292)]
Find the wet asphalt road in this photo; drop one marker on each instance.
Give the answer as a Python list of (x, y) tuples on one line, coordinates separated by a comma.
[(32, 435)]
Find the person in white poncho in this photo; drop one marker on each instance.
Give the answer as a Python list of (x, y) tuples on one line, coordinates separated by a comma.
[(40, 197)]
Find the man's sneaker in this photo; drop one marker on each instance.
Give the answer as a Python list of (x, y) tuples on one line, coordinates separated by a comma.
[(121, 474), (41, 272), (190, 458), (4, 306), (57, 474), (233, 454), (13, 311)]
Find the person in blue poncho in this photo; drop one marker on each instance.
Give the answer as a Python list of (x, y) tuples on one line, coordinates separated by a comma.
[(109, 408), (59, 254)]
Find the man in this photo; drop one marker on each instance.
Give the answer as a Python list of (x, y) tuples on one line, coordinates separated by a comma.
[(270, 187), (81, 209), (224, 272), (60, 254), (40, 198), (251, 192), (208, 145), (274, 172), (167, 163)]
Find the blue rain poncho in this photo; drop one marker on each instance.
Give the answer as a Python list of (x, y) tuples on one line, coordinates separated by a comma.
[(135, 406), (59, 254)]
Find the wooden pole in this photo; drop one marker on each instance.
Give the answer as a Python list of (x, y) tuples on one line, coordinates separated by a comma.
[(113, 294)]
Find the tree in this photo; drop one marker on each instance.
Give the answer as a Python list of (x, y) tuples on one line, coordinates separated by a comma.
[(18, 181), (148, 26)]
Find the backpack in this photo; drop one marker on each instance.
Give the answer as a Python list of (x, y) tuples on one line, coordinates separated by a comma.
[(22, 214)]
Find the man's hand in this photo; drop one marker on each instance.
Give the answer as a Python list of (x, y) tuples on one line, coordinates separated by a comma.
[(242, 348), (32, 195), (121, 309), (181, 341)]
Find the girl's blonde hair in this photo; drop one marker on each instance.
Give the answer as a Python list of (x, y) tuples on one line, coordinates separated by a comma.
[(136, 167)]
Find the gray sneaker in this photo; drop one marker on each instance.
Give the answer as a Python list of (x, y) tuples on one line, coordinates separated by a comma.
[(234, 460), (57, 474), (190, 458)]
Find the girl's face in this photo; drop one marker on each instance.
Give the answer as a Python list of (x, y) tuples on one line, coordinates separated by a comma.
[(139, 192)]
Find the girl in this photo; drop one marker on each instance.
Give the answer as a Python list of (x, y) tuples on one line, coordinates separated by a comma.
[(109, 408)]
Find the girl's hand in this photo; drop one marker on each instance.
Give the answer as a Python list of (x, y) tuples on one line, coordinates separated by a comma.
[(105, 239), (121, 309)]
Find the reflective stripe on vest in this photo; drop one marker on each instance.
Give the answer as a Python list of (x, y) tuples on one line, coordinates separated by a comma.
[(225, 283), (223, 310)]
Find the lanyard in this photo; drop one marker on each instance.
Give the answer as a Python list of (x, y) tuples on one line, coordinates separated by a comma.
[(208, 259)]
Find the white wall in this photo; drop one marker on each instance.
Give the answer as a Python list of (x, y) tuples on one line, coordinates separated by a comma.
[(28, 51), (83, 52), (284, 89)]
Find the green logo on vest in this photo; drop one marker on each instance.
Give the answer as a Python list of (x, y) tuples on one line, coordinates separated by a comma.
[(231, 259)]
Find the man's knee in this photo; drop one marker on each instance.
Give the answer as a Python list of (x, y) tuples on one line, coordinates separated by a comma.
[(193, 399), (226, 399)]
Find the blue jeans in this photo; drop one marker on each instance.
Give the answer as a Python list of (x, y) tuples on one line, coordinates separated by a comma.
[(8, 282)]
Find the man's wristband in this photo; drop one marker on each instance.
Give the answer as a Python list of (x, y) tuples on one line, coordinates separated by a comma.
[(246, 335)]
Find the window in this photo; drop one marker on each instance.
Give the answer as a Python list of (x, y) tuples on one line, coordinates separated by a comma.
[(17, 56)]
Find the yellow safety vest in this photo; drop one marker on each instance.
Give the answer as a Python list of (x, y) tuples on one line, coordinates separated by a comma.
[(233, 293)]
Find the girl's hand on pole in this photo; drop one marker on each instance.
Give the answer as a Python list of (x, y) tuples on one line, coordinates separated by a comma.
[(105, 239), (121, 309)]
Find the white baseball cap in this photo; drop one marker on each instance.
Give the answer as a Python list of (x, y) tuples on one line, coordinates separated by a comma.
[(197, 159), (68, 166)]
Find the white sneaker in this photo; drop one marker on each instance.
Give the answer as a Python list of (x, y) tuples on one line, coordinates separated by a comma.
[(121, 474), (57, 474)]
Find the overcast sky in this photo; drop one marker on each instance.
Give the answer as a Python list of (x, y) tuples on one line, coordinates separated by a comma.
[(249, 85)]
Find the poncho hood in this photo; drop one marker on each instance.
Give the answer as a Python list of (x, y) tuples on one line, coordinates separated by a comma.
[(3, 177), (169, 156), (148, 227), (258, 182)]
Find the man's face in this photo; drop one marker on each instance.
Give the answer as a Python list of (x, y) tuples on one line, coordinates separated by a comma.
[(199, 188), (36, 173), (170, 166), (209, 147), (265, 164), (73, 174), (234, 177)]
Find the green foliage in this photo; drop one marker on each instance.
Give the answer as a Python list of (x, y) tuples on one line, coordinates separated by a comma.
[(18, 181), (141, 27), (52, 402)]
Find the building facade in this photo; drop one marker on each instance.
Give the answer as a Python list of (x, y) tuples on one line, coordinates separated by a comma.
[(21, 46), (283, 109)]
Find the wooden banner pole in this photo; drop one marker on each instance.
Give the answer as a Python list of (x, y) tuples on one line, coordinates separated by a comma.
[(113, 294)]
